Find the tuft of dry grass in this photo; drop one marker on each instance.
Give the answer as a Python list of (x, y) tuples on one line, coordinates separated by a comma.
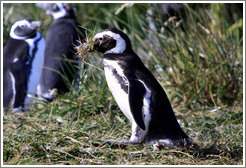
[(85, 48)]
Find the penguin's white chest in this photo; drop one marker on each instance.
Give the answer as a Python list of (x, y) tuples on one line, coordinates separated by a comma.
[(37, 65), (117, 82)]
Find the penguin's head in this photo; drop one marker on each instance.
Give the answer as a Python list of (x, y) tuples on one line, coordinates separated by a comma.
[(24, 29), (58, 10), (112, 40)]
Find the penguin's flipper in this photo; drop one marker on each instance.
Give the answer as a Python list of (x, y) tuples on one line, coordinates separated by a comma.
[(136, 93)]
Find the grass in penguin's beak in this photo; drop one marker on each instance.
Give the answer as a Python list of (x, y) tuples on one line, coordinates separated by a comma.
[(85, 48)]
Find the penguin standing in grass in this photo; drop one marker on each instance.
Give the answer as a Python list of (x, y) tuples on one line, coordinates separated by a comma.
[(138, 94), (59, 64), (23, 57)]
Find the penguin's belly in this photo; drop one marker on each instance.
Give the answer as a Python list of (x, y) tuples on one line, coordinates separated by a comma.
[(118, 86)]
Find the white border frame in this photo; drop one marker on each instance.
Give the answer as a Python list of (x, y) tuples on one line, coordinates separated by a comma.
[(2, 2)]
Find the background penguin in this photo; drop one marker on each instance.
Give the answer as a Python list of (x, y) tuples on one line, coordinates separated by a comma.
[(61, 37), (23, 57), (138, 94)]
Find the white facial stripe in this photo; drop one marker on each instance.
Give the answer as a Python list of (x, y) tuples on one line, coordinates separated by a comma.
[(61, 13), (19, 23), (120, 42)]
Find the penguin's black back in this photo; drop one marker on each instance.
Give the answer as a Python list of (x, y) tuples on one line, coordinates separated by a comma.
[(62, 36), (60, 40), (15, 49)]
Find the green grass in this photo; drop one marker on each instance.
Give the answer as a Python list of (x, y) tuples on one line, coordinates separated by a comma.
[(64, 136), (199, 64)]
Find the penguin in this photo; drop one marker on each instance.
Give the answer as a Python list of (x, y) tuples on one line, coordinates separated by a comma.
[(23, 57), (61, 37), (138, 94)]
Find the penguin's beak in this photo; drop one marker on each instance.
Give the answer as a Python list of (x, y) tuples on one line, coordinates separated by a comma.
[(96, 40), (36, 24), (96, 43), (102, 44), (100, 40)]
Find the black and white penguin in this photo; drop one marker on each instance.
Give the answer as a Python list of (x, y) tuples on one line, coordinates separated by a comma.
[(61, 37), (23, 57), (138, 94)]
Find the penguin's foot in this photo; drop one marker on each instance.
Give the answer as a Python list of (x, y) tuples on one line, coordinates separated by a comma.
[(181, 144), (119, 143), (17, 110)]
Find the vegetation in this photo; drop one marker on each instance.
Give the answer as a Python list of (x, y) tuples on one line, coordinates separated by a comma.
[(196, 56)]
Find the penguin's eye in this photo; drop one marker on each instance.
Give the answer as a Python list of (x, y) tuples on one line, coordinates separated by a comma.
[(100, 39)]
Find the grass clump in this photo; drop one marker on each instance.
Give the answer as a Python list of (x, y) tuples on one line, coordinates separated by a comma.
[(85, 48)]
